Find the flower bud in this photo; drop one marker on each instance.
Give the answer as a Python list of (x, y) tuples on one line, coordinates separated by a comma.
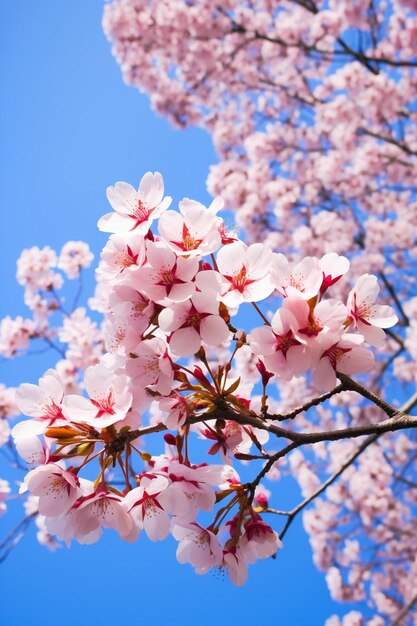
[(266, 376)]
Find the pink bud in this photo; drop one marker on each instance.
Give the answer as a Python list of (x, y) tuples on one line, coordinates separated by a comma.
[(266, 376), (170, 439), (262, 500), (199, 375)]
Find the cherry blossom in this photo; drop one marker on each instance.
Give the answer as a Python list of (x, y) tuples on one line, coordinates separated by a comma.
[(304, 279), (311, 109), (235, 564), (151, 365), (56, 488), (369, 318), (30, 447), (34, 269), (194, 231), (135, 210), (246, 272), (196, 485), (283, 353), (8, 406), (343, 355), (174, 411), (4, 491), (197, 546), (15, 335), (259, 540), (74, 256), (149, 505), (122, 255), (4, 431), (42, 402), (328, 316), (192, 322), (89, 515), (109, 398), (168, 277), (333, 267)]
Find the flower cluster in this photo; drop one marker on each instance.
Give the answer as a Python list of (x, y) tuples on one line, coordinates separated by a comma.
[(170, 285)]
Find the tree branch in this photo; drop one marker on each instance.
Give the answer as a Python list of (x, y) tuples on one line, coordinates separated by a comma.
[(292, 514), (300, 409), (404, 611)]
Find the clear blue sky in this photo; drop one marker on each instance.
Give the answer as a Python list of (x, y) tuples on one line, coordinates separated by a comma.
[(69, 128)]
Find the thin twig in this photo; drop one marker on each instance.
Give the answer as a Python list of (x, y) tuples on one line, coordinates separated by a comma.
[(404, 611), (307, 405), (292, 514), (15, 536)]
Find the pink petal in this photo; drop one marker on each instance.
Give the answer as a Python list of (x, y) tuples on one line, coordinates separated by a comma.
[(185, 342), (324, 377), (214, 330), (355, 361), (114, 223)]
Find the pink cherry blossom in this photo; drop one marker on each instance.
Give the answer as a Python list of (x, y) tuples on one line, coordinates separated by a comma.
[(192, 322), (122, 255), (231, 439), (283, 353), (29, 446), (246, 273), (197, 546), (34, 269), (74, 256), (15, 335), (262, 496), (235, 564), (162, 301), (56, 488), (43, 403), (333, 267), (149, 506), (135, 210), (83, 337), (194, 487), (8, 406), (4, 432), (367, 317), (311, 110), (341, 354), (43, 536), (91, 513), (121, 334), (4, 491), (304, 279), (327, 316), (109, 398), (169, 277), (125, 301), (259, 541), (174, 410), (194, 232), (151, 366)]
